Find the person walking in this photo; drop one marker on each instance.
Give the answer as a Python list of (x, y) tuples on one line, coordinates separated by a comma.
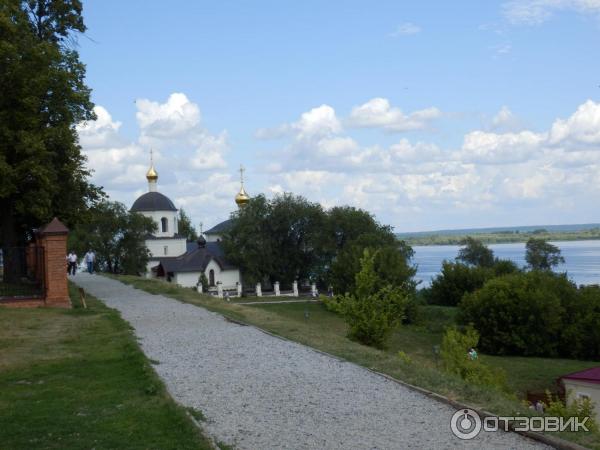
[(72, 260), (90, 259)]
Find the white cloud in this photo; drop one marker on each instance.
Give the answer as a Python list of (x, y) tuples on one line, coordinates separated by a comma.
[(493, 148), (534, 12), (405, 29), (378, 112), (167, 120), (317, 122), (583, 127), (505, 120)]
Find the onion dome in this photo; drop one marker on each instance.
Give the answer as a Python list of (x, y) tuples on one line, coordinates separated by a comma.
[(151, 175), (242, 197)]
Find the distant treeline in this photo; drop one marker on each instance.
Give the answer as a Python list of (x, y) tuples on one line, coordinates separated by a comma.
[(501, 237)]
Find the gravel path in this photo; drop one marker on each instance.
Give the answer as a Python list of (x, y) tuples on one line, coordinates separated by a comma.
[(259, 392)]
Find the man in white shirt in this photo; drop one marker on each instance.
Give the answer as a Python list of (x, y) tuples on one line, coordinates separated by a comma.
[(72, 260)]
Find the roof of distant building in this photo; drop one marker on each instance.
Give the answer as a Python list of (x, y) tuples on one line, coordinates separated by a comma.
[(591, 375), (220, 227), (196, 259), (153, 201)]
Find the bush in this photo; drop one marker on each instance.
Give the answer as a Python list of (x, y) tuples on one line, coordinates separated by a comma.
[(580, 336), (454, 281), (577, 407), (455, 359), (373, 312), (519, 314)]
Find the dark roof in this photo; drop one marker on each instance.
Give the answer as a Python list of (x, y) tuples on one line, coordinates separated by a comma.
[(590, 375), (220, 227), (197, 259), (153, 201), (54, 227)]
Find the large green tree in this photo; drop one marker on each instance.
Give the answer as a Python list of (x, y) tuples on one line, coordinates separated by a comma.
[(116, 235), (278, 239), (44, 96)]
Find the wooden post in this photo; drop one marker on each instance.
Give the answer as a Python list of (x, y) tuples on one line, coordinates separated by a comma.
[(82, 297)]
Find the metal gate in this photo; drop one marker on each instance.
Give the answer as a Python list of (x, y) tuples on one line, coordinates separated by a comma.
[(22, 272)]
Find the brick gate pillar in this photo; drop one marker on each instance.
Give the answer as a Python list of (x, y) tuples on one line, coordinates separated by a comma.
[(53, 238)]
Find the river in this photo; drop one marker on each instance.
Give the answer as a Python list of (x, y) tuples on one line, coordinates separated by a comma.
[(582, 259)]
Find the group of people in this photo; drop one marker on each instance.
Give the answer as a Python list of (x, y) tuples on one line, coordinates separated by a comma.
[(89, 258)]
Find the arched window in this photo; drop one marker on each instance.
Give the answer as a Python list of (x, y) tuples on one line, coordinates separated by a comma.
[(211, 277), (165, 224)]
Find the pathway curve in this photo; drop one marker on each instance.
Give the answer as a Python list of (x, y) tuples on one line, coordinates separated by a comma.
[(259, 392)]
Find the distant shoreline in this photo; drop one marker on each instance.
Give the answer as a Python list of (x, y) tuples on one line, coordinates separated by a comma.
[(498, 237)]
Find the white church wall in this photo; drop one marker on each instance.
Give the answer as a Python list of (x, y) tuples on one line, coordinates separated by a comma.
[(172, 225), (187, 279), (175, 247), (228, 278)]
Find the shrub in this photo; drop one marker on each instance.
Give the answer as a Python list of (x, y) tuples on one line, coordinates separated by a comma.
[(373, 312), (519, 314), (454, 281), (455, 359), (577, 407), (580, 335)]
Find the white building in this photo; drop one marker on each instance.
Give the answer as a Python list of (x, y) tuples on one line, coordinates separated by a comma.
[(174, 259), (584, 384)]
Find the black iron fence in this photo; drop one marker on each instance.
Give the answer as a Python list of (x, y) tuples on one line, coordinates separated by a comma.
[(21, 272)]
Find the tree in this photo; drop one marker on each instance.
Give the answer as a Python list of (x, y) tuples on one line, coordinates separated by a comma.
[(185, 227), (117, 236), (43, 97), (278, 239), (541, 255), (519, 314), (454, 281), (374, 311), (474, 252)]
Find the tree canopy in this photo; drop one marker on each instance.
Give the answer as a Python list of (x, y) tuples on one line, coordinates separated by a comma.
[(476, 253), (116, 235), (290, 238), (185, 226), (541, 255), (43, 97)]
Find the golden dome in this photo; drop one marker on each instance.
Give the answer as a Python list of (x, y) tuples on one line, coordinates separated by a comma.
[(151, 175), (242, 197)]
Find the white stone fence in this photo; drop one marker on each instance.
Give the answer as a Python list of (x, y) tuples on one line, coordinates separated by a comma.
[(236, 291)]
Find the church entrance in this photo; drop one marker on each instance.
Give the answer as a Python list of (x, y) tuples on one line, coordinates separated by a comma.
[(211, 277)]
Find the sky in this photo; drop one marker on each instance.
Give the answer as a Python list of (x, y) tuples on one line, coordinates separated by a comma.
[(428, 114)]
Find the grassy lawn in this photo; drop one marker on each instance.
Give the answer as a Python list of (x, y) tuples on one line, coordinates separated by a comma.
[(77, 379), (326, 331)]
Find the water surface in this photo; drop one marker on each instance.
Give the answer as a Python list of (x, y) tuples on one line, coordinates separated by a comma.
[(582, 259)]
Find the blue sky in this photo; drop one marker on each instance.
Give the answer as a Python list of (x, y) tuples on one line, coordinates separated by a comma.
[(429, 114)]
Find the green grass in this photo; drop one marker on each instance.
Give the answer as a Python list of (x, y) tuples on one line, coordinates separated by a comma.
[(326, 331), (77, 379)]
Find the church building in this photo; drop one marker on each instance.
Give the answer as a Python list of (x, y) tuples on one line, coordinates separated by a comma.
[(175, 260)]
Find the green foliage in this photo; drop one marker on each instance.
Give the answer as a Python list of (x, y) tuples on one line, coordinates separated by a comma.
[(454, 353), (541, 255), (404, 357), (202, 279), (457, 279), (373, 312), (290, 238), (44, 97), (576, 407), (475, 253), (278, 238), (535, 313), (454, 281), (116, 235), (185, 227)]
